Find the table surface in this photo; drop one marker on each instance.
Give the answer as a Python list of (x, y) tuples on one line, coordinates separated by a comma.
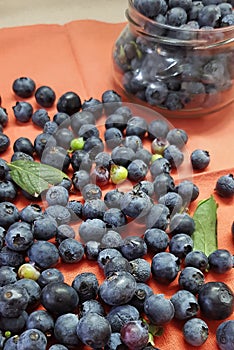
[(77, 57)]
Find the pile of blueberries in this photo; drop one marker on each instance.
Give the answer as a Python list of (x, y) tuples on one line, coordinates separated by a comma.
[(162, 67), (38, 309)]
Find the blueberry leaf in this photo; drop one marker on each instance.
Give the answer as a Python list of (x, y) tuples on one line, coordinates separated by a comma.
[(34, 177), (205, 218)]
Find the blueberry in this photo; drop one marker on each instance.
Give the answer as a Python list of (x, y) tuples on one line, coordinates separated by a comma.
[(50, 127), (194, 10), (23, 111), (191, 279), (94, 106), (59, 298), (118, 316), (69, 103), (209, 15), (116, 121), (156, 93), (100, 175), (19, 236), (33, 291), (11, 343), (44, 228), (197, 259), (60, 213), (32, 339), (94, 330), (158, 128), (107, 254), (86, 286), (158, 309), (163, 183), (165, 267), (103, 159), (14, 324), (13, 300), (44, 254), (195, 331), (137, 170), (220, 261), (133, 247), (182, 223), (42, 320), (117, 263), (92, 230), (65, 329), (156, 240), (148, 8), (75, 208), (4, 142), (57, 195), (31, 212), (140, 269), (21, 156), (172, 201), (45, 96), (159, 166), (111, 101), (185, 304), (113, 137), (180, 245), (91, 305), (118, 288), (145, 186), (185, 4), (93, 209), (176, 16), (122, 155), (173, 154), (8, 191), (133, 141), (23, 144), (63, 137), (58, 347), (114, 218), (111, 239), (12, 258), (92, 250), (62, 119), (23, 87), (135, 334), (227, 20), (135, 204), (200, 159), (143, 291), (80, 160), (40, 117), (7, 275), (93, 145), (112, 198), (158, 217), (188, 190), (43, 142), (136, 126), (225, 186), (88, 130), (115, 342), (224, 335), (8, 213), (173, 101), (63, 232), (216, 300), (70, 250), (50, 275), (177, 137), (3, 117)]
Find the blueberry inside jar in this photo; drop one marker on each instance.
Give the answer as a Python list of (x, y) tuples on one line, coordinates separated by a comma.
[(176, 58)]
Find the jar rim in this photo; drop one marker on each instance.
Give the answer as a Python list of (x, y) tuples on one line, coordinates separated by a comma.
[(205, 38)]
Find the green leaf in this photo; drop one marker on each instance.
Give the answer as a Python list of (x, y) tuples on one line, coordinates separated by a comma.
[(35, 177), (205, 218)]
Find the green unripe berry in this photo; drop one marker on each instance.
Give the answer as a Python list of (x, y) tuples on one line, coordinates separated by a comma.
[(158, 145), (155, 157), (28, 271), (118, 174), (77, 144)]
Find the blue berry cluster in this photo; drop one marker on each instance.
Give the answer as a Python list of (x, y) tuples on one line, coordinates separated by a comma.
[(38, 308), (169, 59)]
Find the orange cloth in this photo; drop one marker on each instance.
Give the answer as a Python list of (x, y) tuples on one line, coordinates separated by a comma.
[(77, 57)]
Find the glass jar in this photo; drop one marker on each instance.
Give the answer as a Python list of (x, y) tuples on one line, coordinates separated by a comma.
[(179, 72)]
